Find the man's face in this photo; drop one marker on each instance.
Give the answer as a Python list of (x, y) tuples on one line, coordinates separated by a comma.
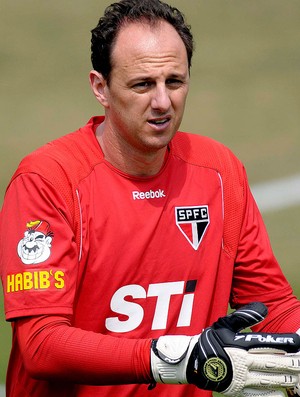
[(148, 87)]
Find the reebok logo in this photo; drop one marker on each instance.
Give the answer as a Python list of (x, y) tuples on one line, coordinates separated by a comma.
[(151, 194)]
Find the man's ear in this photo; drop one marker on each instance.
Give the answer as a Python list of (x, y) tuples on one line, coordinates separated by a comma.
[(99, 87)]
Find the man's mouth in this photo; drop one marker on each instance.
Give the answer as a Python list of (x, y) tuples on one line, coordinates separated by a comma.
[(160, 121)]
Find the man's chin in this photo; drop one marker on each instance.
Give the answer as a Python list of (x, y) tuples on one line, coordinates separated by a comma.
[(160, 141)]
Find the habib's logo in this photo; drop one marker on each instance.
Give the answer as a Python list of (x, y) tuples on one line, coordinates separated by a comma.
[(35, 280), (193, 223), (35, 246)]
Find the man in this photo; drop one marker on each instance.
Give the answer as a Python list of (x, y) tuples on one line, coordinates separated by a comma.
[(122, 241)]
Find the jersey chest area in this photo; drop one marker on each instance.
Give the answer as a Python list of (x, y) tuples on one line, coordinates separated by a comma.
[(157, 240), (179, 212)]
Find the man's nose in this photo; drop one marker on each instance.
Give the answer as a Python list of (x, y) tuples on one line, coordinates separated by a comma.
[(161, 99)]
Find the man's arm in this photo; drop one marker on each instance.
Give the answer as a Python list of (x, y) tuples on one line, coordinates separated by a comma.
[(53, 349), (219, 359), (258, 276)]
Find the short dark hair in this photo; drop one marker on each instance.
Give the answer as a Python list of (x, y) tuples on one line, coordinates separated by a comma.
[(126, 11)]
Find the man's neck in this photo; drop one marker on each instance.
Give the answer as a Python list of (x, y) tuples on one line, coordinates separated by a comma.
[(129, 160)]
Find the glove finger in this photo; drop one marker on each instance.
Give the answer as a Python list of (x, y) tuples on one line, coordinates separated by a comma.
[(249, 392), (270, 380), (242, 318), (287, 363)]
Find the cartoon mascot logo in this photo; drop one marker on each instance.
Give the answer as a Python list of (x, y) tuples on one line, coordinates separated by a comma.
[(35, 246)]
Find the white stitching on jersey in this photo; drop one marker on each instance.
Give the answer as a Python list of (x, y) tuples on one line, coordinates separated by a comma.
[(80, 213), (222, 188)]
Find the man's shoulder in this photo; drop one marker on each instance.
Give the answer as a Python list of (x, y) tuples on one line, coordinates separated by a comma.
[(204, 151), (73, 155)]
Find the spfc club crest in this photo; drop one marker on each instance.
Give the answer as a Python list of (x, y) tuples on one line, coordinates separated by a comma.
[(192, 222)]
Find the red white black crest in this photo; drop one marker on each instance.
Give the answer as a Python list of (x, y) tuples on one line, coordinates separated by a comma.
[(192, 222)]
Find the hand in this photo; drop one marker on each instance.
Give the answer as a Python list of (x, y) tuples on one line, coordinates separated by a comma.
[(296, 390), (224, 360)]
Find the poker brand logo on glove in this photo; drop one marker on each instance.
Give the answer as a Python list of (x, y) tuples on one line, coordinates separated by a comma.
[(35, 246)]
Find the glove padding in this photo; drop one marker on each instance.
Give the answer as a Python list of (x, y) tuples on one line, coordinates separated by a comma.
[(295, 391), (223, 360)]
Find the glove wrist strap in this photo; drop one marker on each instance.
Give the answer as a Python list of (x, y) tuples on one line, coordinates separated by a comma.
[(169, 358), (167, 373)]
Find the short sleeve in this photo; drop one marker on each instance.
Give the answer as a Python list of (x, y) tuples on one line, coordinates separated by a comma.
[(38, 253)]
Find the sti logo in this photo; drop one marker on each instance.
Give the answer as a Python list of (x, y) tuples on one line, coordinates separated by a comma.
[(192, 222)]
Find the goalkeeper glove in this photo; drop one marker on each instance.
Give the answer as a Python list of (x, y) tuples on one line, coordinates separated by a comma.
[(296, 390), (222, 359)]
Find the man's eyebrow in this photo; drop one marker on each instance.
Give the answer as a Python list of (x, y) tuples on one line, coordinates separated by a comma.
[(141, 78), (181, 76)]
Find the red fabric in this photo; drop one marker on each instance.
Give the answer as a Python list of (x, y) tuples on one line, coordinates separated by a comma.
[(52, 349), (123, 267)]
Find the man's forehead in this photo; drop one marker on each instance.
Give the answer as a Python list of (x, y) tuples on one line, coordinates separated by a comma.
[(142, 24), (141, 41)]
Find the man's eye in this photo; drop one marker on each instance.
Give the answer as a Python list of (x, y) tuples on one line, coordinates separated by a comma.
[(142, 84), (174, 83)]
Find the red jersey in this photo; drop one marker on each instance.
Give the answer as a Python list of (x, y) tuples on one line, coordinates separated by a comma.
[(134, 257)]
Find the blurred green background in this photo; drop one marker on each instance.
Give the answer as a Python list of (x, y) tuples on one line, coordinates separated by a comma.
[(245, 91)]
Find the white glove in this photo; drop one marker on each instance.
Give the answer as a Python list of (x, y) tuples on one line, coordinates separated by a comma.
[(296, 390), (262, 393), (223, 360)]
